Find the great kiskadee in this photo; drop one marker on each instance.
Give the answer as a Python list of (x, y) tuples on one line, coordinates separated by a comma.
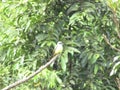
[(58, 48)]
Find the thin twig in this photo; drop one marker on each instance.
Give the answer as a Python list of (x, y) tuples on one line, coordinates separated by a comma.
[(107, 41), (30, 76)]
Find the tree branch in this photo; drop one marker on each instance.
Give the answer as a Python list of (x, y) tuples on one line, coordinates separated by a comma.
[(107, 41), (32, 75), (118, 83)]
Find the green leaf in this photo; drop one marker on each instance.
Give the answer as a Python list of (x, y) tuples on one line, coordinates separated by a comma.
[(84, 61), (70, 49), (64, 60), (96, 69), (94, 58), (115, 68), (58, 80), (72, 8), (75, 17)]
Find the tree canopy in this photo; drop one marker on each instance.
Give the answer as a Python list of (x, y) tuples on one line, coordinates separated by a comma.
[(89, 30)]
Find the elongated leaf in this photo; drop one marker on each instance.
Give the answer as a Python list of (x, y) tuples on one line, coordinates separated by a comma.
[(96, 69), (94, 58)]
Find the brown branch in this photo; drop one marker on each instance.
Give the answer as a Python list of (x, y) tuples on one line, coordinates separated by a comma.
[(32, 75), (118, 82), (107, 41)]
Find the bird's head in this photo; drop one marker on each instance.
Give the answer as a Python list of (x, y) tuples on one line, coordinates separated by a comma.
[(60, 43)]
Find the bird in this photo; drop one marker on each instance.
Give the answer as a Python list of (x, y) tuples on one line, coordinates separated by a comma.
[(58, 48)]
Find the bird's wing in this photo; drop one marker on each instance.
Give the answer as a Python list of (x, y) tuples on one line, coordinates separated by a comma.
[(55, 49)]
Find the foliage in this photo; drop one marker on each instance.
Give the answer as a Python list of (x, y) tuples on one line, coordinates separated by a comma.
[(90, 33)]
